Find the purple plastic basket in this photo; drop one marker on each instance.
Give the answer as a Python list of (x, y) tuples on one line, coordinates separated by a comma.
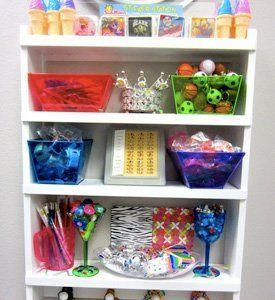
[(206, 169)]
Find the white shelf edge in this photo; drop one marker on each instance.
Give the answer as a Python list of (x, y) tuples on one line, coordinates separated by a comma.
[(124, 118), (27, 40), (96, 187), (106, 278)]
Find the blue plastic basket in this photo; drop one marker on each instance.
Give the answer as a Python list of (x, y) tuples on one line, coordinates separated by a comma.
[(206, 169), (59, 162)]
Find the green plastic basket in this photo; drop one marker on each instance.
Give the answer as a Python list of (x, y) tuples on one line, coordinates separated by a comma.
[(213, 82)]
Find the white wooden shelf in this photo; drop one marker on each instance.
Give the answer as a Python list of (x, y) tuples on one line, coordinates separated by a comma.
[(122, 118), (106, 278), (173, 189), (28, 40)]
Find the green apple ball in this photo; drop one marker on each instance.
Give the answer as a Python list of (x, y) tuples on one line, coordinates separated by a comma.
[(187, 107), (200, 79), (200, 102), (179, 98), (206, 89), (217, 81), (214, 96), (232, 80)]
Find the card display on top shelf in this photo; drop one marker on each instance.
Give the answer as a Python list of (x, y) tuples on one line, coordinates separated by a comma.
[(112, 26), (86, 25), (171, 26), (202, 27), (135, 157), (140, 26)]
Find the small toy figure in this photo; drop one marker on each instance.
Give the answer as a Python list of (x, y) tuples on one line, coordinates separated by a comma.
[(171, 26), (140, 26), (66, 294), (199, 296), (110, 295), (113, 26), (154, 295)]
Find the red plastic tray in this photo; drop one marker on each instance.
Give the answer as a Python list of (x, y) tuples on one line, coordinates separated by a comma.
[(70, 92)]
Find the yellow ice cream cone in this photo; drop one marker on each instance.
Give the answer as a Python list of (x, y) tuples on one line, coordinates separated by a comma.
[(37, 19), (242, 22), (53, 22), (67, 16), (45, 27), (224, 26)]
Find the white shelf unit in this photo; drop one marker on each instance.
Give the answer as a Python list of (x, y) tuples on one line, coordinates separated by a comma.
[(104, 54)]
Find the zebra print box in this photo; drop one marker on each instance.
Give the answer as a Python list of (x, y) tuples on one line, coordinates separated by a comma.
[(160, 227)]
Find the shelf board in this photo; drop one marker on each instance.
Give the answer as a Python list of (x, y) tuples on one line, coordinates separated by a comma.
[(96, 187), (102, 48), (135, 118), (106, 278)]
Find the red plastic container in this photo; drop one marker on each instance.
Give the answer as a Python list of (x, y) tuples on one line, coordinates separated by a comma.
[(55, 254), (70, 92)]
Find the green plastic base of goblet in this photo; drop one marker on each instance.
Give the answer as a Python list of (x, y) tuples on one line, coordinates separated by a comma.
[(85, 271)]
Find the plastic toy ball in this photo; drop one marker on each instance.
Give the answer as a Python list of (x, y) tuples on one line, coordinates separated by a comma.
[(214, 96), (207, 66), (232, 80), (206, 89), (187, 107), (200, 79), (216, 81), (185, 70)]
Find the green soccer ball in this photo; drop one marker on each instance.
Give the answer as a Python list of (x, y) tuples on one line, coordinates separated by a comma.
[(200, 79), (206, 89), (200, 102), (232, 80), (187, 107), (216, 81), (179, 98), (214, 96)]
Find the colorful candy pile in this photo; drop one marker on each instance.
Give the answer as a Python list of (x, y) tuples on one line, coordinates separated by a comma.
[(141, 97), (209, 222), (199, 142), (71, 92), (144, 262), (201, 91), (85, 215)]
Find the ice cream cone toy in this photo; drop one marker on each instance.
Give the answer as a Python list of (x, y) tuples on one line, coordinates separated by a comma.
[(85, 216), (68, 16), (110, 295), (224, 21), (37, 16), (53, 17), (242, 19)]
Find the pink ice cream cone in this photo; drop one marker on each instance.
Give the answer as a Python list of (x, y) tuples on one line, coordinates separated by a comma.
[(242, 19), (37, 16)]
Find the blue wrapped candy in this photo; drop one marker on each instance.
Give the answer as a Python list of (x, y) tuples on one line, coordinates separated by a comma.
[(59, 162)]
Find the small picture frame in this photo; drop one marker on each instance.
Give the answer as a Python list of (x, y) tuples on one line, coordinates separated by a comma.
[(86, 25), (112, 26), (135, 156), (202, 27), (171, 26), (140, 26)]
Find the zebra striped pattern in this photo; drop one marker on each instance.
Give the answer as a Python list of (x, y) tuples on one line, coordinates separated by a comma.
[(132, 225)]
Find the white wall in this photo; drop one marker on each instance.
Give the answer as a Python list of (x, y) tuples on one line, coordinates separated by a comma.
[(258, 275)]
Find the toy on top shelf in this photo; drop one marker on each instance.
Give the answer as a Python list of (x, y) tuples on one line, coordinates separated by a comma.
[(53, 16), (37, 16), (199, 296), (154, 295), (67, 16), (86, 25), (85, 216), (202, 27), (141, 97), (205, 92), (209, 223), (202, 162), (242, 19), (224, 20)]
